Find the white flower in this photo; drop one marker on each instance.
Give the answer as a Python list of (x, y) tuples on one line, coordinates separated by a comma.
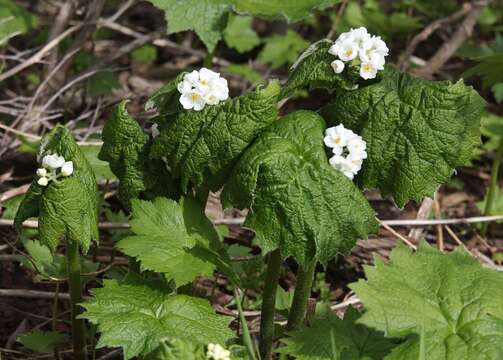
[(154, 130), (217, 352), (203, 87), (67, 168), (374, 50), (192, 100), (360, 36), (43, 181), (368, 70), (336, 138), (53, 161), (347, 50), (41, 172), (338, 66), (349, 150), (189, 81)]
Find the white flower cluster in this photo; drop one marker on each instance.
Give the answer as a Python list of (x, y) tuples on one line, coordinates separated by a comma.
[(202, 87), (349, 150), (217, 352), (358, 45), (50, 166)]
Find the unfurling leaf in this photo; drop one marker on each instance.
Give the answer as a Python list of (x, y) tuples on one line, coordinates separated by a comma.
[(298, 202), (139, 316), (66, 208), (202, 146), (126, 147), (417, 131), (313, 70), (448, 306)]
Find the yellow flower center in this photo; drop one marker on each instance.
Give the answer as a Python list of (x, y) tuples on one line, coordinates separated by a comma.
[(367, 67), (349, 52), (195, 96)]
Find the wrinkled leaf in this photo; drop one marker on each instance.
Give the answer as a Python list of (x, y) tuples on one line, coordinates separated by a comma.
[(416, 131), (298, 202), (313, 70), (202, 146), (66, 209)]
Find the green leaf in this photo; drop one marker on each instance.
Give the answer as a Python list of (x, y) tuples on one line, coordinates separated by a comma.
[(331, 338), (67, 208), (497, 204), (145, 54), (202, 146), (166, 99), (14, 20), (10, 206), (282, 49), (417, 131), (239, 34), (298, 202), (206, 17), (293, 10), (41, 341), (126, 147), (497, 90), (168, 238), (448, 306), (138, 316), (102, 84), (100, 167), (313, 70)]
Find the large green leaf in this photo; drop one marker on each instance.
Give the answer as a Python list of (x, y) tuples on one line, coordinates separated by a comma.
[(67, 208), (139, 316), (417, 131), (293, 10), (206, 17), (202, 146), (448, 306), (313, 70), (298, 202), (171, 238), (126, 147), (331, 338)]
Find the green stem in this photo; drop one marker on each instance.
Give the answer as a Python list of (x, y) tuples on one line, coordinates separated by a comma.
[(301, 296), (208, 61), (493, 185), (78, 330), (244, 325), (269, 304)]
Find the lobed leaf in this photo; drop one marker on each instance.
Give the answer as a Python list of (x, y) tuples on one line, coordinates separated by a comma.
[(138, 316), (67, 208), (206, 17), (298, 202), (417, 131), (202, 146), (175, 239), (331, 338), (126, 147), (447, 306)]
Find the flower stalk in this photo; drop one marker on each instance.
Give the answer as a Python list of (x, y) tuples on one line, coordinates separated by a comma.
[(301, 296), (269, 304), (75, 287)]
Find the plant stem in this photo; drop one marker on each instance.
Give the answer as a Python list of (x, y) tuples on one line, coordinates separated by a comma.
[(78, 330), (493, 185), (244, 325), (268, 304), (301, 296), (208, 61)]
